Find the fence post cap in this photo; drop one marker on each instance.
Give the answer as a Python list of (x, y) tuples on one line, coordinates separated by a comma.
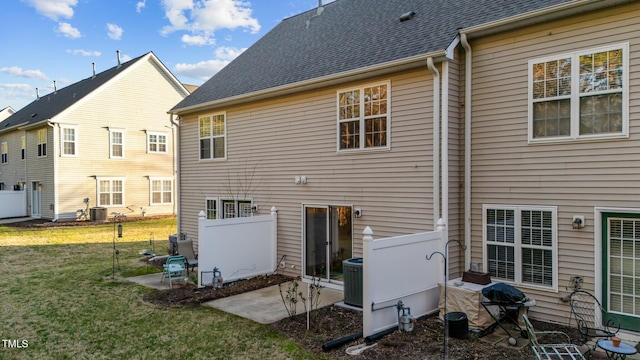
[(202, 214)]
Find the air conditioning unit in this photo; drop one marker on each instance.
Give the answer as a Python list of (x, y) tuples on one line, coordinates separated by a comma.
[(352, 269)]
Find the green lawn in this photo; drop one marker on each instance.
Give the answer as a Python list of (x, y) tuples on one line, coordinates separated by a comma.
[(59, 301)]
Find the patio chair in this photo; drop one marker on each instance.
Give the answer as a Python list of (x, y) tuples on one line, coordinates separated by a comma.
[(174, 269), (592, 319), (551, 351), (185, 248)]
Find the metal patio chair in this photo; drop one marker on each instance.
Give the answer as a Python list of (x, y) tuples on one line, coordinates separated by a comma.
[(544, 351), (174, 269), (592, 319), (185, 248)]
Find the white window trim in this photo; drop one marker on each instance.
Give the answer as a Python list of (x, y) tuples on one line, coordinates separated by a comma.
[(111, 131), (206, 209), (220, 206), (575, 96), (224, 113), (362, 118), (162, 179), (23, 147), (38, 143), (62, 140), (166, 144), (111, 179), (517, 245), (4, 152)]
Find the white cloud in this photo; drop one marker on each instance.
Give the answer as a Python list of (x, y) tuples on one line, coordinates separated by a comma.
[(202, 18), (124, 57), (54, 9), (228, 53), (68, 31), (30, 74), (84, 52), (16, 87), (206, 69), (140, 5), (114, 31), (17, 91)]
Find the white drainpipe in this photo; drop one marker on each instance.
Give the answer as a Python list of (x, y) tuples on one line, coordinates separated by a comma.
[(436, 141), (56, 179), (467, 150), (445, 145), (176, 173)]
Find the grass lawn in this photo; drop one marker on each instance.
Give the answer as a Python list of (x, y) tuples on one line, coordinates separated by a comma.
[(59, 301)]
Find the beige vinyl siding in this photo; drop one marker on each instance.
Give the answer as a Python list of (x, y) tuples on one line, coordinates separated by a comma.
[(41, 169), (274, 141), (13, 171), (135, 103), (575, 176)]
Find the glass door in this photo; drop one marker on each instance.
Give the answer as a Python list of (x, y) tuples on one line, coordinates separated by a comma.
[(328, 241), (36, 199)]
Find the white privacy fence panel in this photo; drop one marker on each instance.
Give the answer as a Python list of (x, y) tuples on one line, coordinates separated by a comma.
[(13, 204), (395, 269), (239, 247)]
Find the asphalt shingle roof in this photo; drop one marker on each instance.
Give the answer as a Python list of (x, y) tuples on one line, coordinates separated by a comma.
[(50, 105), (348, 35)]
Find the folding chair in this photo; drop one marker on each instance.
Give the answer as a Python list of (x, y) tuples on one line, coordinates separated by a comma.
[(174, 269), (185, 248), (551, 351), (592, 319)]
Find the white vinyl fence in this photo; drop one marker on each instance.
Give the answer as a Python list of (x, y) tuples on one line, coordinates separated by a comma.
[(13, 204), (396, 269), (239, 247)]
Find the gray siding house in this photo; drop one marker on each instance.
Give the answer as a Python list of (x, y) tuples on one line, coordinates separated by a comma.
[(513, 122), (107, 138)]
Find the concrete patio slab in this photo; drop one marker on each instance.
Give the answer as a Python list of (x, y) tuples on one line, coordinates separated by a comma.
[(265, 305), (153, 281)]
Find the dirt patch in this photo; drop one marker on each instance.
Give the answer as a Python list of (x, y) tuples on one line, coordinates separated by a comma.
[(35, 223)]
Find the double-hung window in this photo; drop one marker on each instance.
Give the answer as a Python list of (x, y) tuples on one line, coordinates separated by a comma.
[(157, 143), (363, 117), (42, 142), (22, 147), (116, 143), (212, 130), (4, 153), (110, 192), (520, 244), (579, 95), (161, 191), (69, 140), (226, 208)]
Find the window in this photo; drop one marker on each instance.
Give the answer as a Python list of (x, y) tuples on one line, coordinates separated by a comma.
[(42, 142), (579, 95), (4, 153), (212, 136), (2, 186), (110, 192), (520, 244), (22, 147), (156, 143), (116, 143), (227, 208), (363, 118), (161, 191), (68, 140)]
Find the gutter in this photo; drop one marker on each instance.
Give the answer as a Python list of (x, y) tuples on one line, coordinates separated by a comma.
[(436, 141), (467, 149), (305, 85)]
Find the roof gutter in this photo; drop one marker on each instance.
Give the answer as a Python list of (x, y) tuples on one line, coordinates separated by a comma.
[(14, 127), (35, 125), (323, 81)]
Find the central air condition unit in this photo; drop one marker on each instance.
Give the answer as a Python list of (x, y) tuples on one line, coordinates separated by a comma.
[(352, 269)]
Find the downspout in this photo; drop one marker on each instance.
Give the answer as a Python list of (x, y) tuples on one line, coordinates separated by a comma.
[(176, 170), (467, 149), (436, 141), (445, 145), (55, 171)]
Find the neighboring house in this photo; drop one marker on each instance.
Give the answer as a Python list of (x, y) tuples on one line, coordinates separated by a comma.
[(107, 138), (6, 112), (505, 119)]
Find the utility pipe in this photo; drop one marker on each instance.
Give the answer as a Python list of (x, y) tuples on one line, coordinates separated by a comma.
[(436, 140), (467, 149)]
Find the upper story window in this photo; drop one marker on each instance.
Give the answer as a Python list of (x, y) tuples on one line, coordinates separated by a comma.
[(22, 147), (520, 244), (363, 118), (161, 191), (42, 142), (116, 143), (212, 136), (4, 153), (110, 192), (156, 143), (69, 140), (226, 208), (579, 95)]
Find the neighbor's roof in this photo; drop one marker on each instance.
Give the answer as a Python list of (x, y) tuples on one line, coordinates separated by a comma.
[(48, 106), (351, 34)]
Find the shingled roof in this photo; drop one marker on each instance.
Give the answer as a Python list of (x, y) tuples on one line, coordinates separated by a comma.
[(48, 106), (351, 34)]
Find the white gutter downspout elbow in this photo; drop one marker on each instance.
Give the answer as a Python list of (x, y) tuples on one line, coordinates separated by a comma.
[(467, 149), (176, 173), (436, 141)]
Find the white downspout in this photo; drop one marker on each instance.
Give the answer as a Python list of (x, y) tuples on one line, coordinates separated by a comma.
[(467, 150), (56, 180), (445, 145), (436, 141), (176, 173)]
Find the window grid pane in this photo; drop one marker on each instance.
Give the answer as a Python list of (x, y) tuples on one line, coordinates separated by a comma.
[(624, 266), (363, 120)]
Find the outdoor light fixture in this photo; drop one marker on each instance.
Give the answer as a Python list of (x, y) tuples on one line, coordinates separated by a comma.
[(578, 222)]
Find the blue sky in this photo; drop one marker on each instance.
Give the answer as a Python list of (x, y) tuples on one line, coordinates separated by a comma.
[(58, 40)]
